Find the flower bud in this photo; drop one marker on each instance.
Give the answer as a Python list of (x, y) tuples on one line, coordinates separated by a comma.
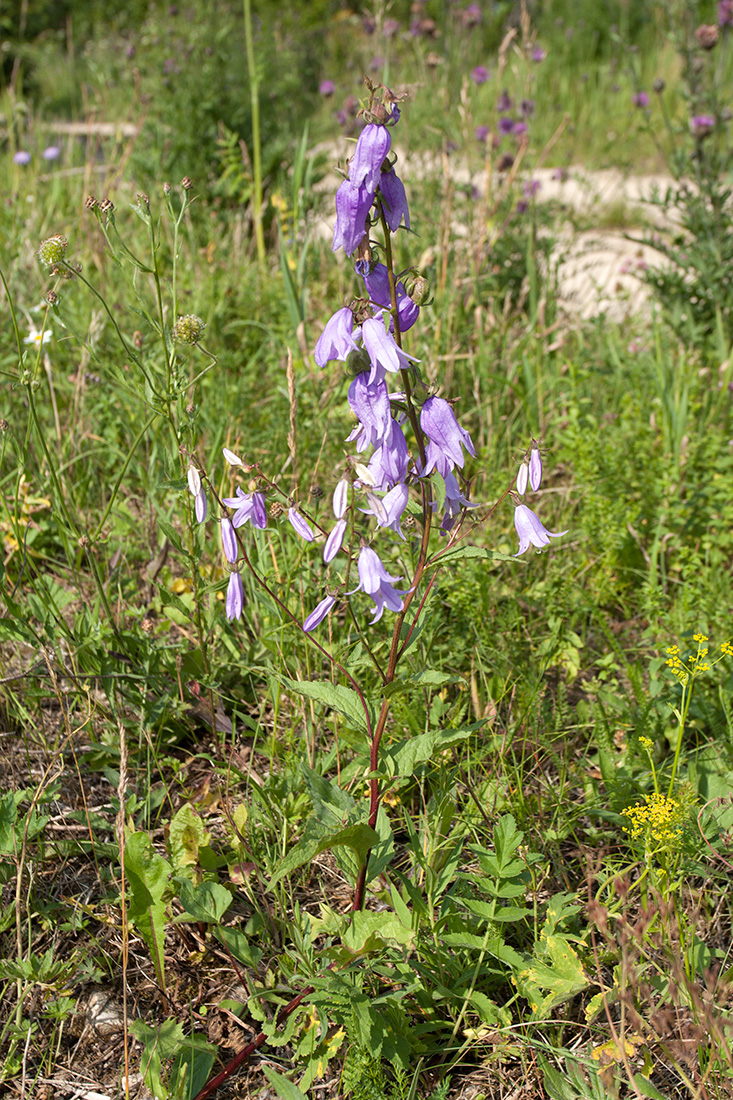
[(418, 288), (53, 250), (188, 329), (357, 362)]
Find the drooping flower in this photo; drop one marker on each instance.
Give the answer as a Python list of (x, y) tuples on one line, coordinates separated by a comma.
[(376, 281), (395, 200), (383, 351), (231, 458), (531, 530), (446, 437), (389, 463), (370, 403), (249, 507), (319, 613), (377, 583), (352, 206), (388, 511), (235, 597), (371, 149), (455, 501), (337, 338), (300, 525)]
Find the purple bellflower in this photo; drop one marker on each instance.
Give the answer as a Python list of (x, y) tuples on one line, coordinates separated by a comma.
[(390, 461), (235, 597), (370, 402), (377, 583), (341, 498), (446, 437), (249, 507), (352, 207), (388, 511), (366, 164), (229, 541), (454, 502), (334, 542), (395, 200), (480, 74), (376, 281), (337, 338), (382, 349), (300, 524), (531, 530), (319, 613)]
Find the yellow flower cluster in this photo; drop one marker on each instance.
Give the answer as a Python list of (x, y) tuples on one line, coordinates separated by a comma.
[(660, 819), (726, 649)]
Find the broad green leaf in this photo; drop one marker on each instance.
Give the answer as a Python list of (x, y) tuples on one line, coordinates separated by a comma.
[(159, 1044), (148, 875), (186, 835), (646, 1088), (192, 1066), (285, 1089), (559, 979), (332, 806), (335, 696), (488, 1012), (491, 911), (373, 931), (207, 902), (401, 760), (360, 838)]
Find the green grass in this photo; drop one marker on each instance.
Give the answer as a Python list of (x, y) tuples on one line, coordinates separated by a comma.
[(183, 819)]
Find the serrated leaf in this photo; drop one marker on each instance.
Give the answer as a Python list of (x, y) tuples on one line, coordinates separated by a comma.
[(401, 760), (331, 805), (478, 553), (335, 696)]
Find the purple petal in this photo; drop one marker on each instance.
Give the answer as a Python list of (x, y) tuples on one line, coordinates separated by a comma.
[(334, 542), (336, 340), (341, 498), (229, 541), (352, 206), (393, 190), (259, 511), (371, 149), (235, 597), (318, 614), (522, 478), (535, 468), (301, 525), (200, 506)]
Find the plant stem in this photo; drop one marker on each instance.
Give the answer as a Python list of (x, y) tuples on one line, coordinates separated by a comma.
[(254, 88)]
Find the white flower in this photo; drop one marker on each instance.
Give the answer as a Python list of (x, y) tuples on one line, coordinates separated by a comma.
[(38, 338)]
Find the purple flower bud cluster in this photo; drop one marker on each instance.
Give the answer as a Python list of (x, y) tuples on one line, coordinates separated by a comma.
[(530, 528)]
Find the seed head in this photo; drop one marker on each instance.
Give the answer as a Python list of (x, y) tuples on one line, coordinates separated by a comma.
[(166, 188), (53, 250), (90, 202), (317, 492), (52, 297), (187, 183), (188, 329), (3, 424), (143, 199), (84, 542), (106, 206), (276, 509), (707, 35)]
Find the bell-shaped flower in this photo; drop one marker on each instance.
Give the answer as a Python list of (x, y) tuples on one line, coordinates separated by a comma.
[(352, 206), (194, 481), (334, 542), (446, 437), (384, 353), (454, 502), (365, 168), (200, 506), (377, 583), (388, 511), (300, 525), (318, 614), (523, 477), (531, 530), (395, 200), (376, 281), (369, 401), (235, 597), (250, 507), (388, 465), (229, 541), (336, 340)]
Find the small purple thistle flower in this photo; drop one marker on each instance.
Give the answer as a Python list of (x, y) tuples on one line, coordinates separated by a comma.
[(725, 13), (506, 125), (640, 99), (337, 339), (481, 133), (531, 530), (326, 88), (504, 103), (319, 613), (538, 54), (527, 107), (52, 152), (334, 542), (300, 525), (702, 125), (446, 437), (520, 128), (480, 75), (390, 28), (229, 541), (377, 583), (235, 597), (21, 157)]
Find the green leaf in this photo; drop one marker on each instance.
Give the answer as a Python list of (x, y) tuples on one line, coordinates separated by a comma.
[(460, 553), (331, 805), (148, 875), (560, 978), (285, 1089), (341, 699), (186, 835), (401, 760), (492, 912), (192, 1066), (373, 931), (207, 902), (646, 1088), (159, 1044), (359, 838), (173, 537)]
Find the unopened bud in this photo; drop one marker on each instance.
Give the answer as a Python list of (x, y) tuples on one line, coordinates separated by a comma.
[(187, 183), (53, 250), (137, 338), (188, 329), (166, 188), (52, 297), (357, 361), (418, 288), (90, 202), (106, 206)]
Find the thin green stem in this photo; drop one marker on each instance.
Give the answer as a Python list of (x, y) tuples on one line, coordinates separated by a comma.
[(254, 89)]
